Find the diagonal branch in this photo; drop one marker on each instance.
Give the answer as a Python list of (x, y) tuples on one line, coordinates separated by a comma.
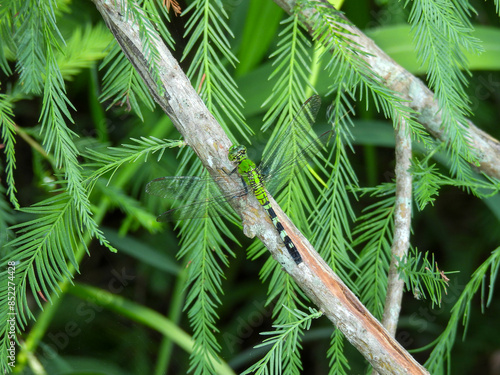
[(420, 98), (200, 130)]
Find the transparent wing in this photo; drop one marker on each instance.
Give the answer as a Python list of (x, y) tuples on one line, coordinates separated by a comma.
[(178, 187), (203, 193), (278, 178), (297, 144)]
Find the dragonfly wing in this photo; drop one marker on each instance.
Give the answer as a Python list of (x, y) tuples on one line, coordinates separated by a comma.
[(282, 175), (203, 193), (178, 187), (296, 145), (198, 210)]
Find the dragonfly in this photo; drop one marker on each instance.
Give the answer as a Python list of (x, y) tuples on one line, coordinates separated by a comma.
[(296, 145)]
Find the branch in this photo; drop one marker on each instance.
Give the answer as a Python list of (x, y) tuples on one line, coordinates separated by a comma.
[(402, 225), (204, 135), (413, 90)]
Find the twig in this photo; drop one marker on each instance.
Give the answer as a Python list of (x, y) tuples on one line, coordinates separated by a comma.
[(402, 225), (34, 144)]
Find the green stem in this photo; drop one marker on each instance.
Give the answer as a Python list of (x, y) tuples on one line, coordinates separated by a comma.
[(96, 110), (144, 315), (315, 67), (33, 144), (43, 321), (175, 312)]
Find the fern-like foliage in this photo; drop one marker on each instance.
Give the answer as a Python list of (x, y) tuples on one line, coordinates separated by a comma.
[(159, 19), (284, 342), (353, 78), (44, 249), (351, 75), (375, 234), (283, 291), (344, 60), (7, 131), (60, 139), (426, 183), (292, 60), (140, 150), (106, 165), (203, 247), (123, 85), (204, 279), (292, 73), (204, 250), (207, 30), (428, 180), (338, 361), (201, 242), (332, 232), (55, 106), (442, 30), (31, 59), (439, 362), (145, 22), (85, 46), (6, 38), (422, 276), (6, 219)]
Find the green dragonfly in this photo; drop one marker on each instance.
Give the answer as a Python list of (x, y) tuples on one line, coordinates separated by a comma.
[(296, 145)]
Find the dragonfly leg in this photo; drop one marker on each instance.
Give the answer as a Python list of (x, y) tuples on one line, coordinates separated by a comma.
[(241, 177), (228, 173)]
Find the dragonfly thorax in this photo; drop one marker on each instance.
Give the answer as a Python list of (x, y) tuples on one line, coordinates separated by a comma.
[(237, 153)]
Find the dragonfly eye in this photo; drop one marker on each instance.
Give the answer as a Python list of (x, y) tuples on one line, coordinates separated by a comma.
[(236, 152)]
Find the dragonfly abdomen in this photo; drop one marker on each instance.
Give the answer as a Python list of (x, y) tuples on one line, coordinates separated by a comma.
[(261, 195), (292, 250)]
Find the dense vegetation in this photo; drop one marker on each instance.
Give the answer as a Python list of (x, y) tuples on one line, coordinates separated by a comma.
[(115, 292)]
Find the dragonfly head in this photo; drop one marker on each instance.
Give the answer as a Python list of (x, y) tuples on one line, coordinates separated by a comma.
[(237, 153)]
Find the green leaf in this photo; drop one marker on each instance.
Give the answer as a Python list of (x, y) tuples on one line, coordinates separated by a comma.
[(396, 41), (284, 342), (8, 131), (122, 84), (256, 39), (83, 49), (142, 252)]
